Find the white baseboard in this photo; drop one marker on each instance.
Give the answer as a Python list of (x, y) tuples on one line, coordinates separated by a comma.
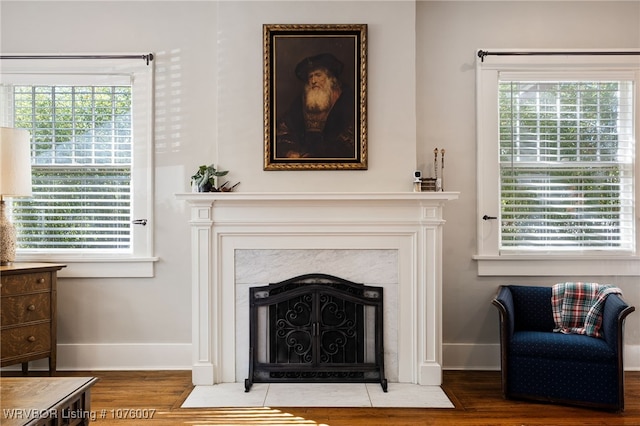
[(146, 356), (177, 356), (463, 356)]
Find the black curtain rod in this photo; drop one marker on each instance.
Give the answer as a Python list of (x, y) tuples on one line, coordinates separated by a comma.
[(148, 57), (483, 53)]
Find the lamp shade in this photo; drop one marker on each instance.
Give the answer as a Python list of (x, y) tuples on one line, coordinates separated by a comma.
[(15, 162)]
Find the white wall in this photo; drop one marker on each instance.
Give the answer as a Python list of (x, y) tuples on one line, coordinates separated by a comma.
[(209, 109), (448, 35), (123, 323), (391, 93)]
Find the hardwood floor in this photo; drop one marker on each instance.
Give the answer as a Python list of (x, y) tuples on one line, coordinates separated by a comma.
[(476, 395)]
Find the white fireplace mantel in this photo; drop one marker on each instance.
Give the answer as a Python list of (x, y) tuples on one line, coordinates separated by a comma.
[(409, 222)]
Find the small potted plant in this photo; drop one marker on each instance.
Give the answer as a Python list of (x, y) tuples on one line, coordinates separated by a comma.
[(204, 180)]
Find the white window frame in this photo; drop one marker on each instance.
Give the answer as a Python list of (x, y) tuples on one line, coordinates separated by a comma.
[(489, 259), (140, 261)]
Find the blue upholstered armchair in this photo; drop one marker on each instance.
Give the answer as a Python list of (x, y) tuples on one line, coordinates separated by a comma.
[(555, 367)]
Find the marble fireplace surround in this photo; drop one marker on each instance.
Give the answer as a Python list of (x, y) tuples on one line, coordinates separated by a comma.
[(400, 231)]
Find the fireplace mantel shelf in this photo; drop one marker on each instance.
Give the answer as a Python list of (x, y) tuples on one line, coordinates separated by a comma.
[(311, 196)]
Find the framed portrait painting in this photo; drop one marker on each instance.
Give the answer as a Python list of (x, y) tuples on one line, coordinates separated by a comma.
[(315, 97)]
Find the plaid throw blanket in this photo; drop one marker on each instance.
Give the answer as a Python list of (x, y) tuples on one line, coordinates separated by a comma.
[(577, 307)]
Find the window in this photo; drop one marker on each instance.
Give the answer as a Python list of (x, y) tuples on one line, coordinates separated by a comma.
[(81, 167), (90, 127), (556, 145), (566, 165)]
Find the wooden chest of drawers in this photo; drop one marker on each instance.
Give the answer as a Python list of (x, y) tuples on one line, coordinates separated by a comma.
[(28, 314)]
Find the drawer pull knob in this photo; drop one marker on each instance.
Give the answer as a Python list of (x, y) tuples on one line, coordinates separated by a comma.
[(31, 339), (31, 308), (40, 280)]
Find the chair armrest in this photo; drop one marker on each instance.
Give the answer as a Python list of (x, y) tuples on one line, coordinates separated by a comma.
[(506, 308), (613, 315), (504, 302)]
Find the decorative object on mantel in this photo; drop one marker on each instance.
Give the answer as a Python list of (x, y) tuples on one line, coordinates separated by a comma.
[(433, 184), (417, 181), (442, 171), (15, 181), (225, 188), (204, 180), (428, 185)]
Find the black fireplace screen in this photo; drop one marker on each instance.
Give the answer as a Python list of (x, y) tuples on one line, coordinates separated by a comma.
[(316, 328)]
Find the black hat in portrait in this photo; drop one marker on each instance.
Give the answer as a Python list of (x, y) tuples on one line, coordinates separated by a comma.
[(323, 60)]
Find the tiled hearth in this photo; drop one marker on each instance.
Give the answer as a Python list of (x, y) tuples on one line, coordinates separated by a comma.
[(399, 395), (388, 239)]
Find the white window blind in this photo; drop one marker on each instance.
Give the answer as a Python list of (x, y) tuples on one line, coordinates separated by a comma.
[(81, 167), (566, 160)]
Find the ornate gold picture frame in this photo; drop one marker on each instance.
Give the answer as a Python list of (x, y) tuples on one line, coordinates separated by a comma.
[(315, 97)]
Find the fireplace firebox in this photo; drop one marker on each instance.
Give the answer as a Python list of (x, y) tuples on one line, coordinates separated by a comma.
[(316, 328)]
